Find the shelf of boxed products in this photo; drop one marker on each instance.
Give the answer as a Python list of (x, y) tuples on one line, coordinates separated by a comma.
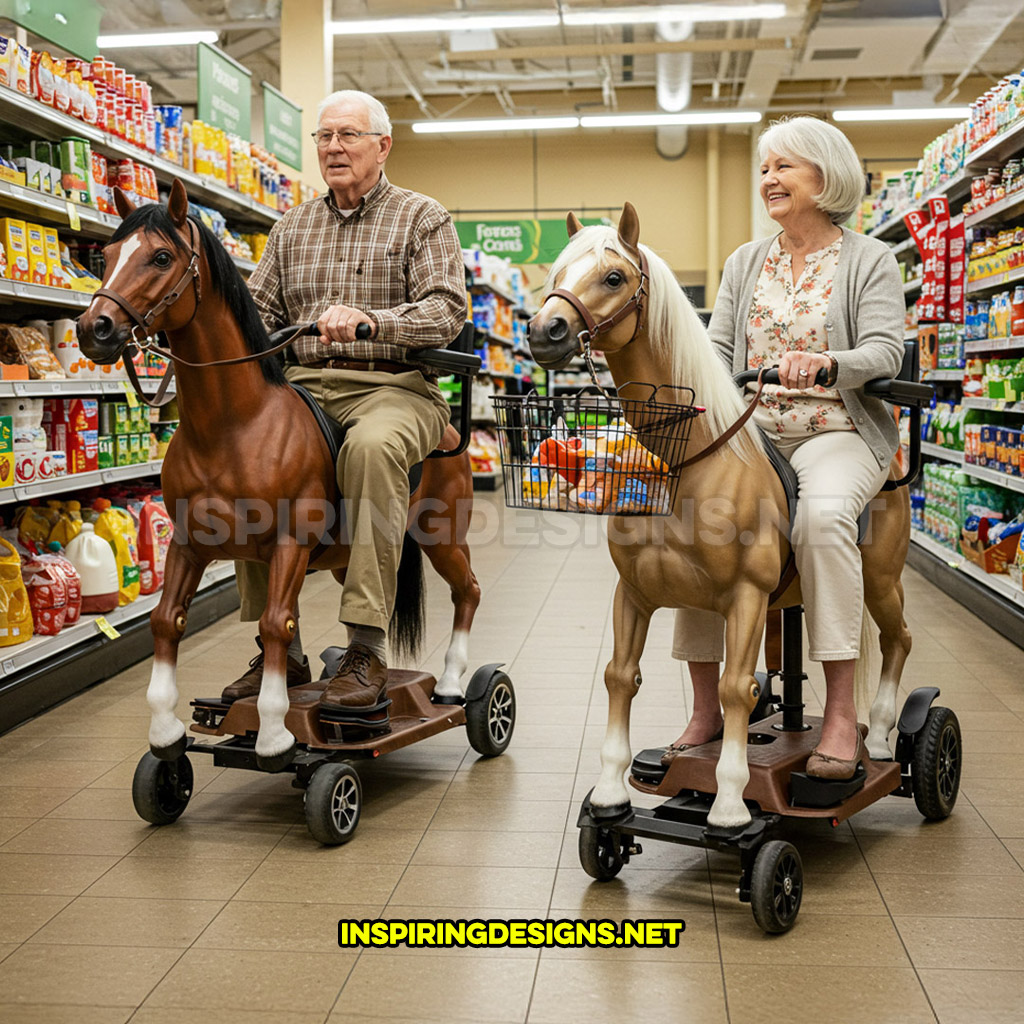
[(993, 345), (31, 115), (913, 285), (59, 388), (43, 294), (76, 481), (957, 187), (927, 376), (994, 212), (517, 307), (995, 404), (983, 284), (1001, 583), (1011, 483), (39, 648)]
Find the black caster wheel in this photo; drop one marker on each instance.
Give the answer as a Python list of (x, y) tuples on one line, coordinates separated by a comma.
[(334, 800), (491, 717), (936, 765), (600, 852), (776, 886), (161, 789)]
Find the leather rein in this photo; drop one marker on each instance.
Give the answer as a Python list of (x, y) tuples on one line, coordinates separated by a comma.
[(144, 322)]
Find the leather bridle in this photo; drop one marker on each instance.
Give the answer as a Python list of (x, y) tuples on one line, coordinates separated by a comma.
[(593, 328)]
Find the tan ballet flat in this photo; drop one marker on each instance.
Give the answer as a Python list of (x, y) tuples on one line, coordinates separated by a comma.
[(824, 766)]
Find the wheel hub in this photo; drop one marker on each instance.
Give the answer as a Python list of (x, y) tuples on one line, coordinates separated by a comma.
[(787, 885)]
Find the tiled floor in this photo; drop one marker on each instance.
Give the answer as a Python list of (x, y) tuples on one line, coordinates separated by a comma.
[(232, 912)]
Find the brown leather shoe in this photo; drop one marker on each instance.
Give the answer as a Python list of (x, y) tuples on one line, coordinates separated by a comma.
[(359, 682), (825, 766), (248, 685)]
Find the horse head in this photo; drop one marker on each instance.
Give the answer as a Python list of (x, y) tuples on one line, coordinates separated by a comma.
[(152, 278), (599, 289)]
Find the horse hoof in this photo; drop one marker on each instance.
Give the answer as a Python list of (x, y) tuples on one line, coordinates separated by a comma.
[(442, 699), (276, 762), (610, 813), (171, 753)]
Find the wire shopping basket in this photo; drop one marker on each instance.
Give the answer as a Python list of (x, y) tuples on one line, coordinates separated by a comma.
[(594, 453)]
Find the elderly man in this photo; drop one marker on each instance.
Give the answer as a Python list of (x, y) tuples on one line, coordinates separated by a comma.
[(366, 252)]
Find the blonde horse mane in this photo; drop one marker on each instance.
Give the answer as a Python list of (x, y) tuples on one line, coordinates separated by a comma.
[(675, 330)]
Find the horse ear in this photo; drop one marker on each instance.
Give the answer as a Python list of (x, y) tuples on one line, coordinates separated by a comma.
[(629, 227), (177, 205), (123, 204), (572, 223)]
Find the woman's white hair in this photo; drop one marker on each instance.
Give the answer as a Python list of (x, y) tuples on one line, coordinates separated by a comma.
[(819, 143), (378, 113)]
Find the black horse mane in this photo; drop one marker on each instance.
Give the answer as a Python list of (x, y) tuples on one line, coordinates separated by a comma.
[(228, 282)]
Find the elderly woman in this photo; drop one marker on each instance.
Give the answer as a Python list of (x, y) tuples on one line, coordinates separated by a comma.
[(813, 297)]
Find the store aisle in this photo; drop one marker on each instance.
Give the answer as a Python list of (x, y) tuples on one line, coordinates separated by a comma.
[(233, 911)]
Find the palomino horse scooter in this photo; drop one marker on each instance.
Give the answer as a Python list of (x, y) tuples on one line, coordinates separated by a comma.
[(621, 296)]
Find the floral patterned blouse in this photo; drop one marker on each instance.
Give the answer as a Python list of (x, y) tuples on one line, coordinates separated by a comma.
[(785, 316)]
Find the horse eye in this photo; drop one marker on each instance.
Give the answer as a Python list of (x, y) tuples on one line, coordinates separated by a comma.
[(162, 259), (614, 279)]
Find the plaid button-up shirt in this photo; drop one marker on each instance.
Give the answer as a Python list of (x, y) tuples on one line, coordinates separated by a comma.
[(397, 258)]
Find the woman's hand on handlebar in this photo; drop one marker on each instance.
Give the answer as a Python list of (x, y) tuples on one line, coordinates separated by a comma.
[(339, 323), (798, 369)]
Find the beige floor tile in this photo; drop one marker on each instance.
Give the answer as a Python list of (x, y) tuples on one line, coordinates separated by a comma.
[(266, 981), (839, 995), (96, 838), (98, 804), (222, 841), (169, 1015), (977, 944), (983, 793), (952, 855), (698, 942), (1007, 822), (517, 887), (633, 892), (120, 775), (445, 851), (293, 927), (967, 896), (340, 883), (174, 878), (1016, 849), (121, 921), (968, 997), (89, 748), (851, 891), (7, 948), (84, 975), (17, 743), (22, 916), (50, 874), (43, 774), (30, 802), (632, 992), (517, 760), (900, 817), (372, 844), (446, 987), (469, 815), (511, 787), (274, 808), (10, 827), (37, 1013)]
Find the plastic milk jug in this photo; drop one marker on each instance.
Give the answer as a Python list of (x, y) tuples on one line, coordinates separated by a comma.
[(93, 557)]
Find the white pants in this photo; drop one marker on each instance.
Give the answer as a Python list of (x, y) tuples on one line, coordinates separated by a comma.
[(838, 476)]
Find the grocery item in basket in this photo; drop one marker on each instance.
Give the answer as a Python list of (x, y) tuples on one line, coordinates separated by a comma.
[(564, 457), (115, 525), (27, 345), (15, 612), (93, 557)]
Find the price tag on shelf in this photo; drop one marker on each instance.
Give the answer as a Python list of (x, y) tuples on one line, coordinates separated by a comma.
[(133, 400), (7, 666), (106, 628), (73, 218), (999, 404)]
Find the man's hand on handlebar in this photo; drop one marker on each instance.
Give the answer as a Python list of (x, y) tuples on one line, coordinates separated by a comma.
[(798, 369), (339, 323)]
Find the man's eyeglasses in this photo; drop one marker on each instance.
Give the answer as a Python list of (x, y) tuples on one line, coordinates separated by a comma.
[(323, 137)]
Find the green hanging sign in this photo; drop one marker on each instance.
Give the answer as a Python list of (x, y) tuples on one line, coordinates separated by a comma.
[(224, 91), (521, 241), (282, 127), (70, 24)]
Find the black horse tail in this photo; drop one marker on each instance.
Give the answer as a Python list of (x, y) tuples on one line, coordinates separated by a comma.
[(406, 631)]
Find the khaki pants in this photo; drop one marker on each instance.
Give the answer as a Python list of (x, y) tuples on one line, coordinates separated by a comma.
[(838, 476), (394, 420)]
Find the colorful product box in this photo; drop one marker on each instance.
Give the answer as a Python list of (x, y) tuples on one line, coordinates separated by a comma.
[(36, 253), (56, 276), (122, 454), (6, 434), (82, 451), (6, 469), (135, 450), (76, 413), (106, 456), (12, 237)]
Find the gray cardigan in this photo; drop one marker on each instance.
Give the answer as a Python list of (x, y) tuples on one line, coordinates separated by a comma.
[(864, 325)]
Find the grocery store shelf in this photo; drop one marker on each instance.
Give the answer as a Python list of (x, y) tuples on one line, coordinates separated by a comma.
[(913, 286), (992, 476), (503, 294), (494, 339), (998, 583), (993, 344), (78, 481), (983, 284), (995, 404), (57, 388), (42, 294), (244, 265), (936, 451), (44, 207), (957, 186), (929, 375), (907, 245), (39, 648), (32, 116), (1013, 203), (997, 149), (910, 335)]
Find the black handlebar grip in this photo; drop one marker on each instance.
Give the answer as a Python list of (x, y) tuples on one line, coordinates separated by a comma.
[(363, 331)]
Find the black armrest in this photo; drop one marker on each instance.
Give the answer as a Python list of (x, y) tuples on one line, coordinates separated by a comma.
[(446, 361), (899, 392)]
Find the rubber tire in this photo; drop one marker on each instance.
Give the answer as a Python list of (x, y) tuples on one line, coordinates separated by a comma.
[(774, 909), (936, 765), (491, 717), (329, 824), (600, 852), (161, 789)]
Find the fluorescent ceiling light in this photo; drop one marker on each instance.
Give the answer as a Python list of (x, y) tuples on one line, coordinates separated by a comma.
[(496, 124), (157, 39), (660, 120), (903, 114), (460, 22), (673, 12)]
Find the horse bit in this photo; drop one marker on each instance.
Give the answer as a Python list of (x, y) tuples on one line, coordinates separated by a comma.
[(593, 329)]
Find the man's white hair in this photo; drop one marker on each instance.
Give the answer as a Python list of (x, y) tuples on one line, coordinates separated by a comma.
[(819, 143), (379, 120)]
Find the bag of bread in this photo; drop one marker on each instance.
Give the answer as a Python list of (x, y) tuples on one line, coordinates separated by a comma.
[(29, 346)]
